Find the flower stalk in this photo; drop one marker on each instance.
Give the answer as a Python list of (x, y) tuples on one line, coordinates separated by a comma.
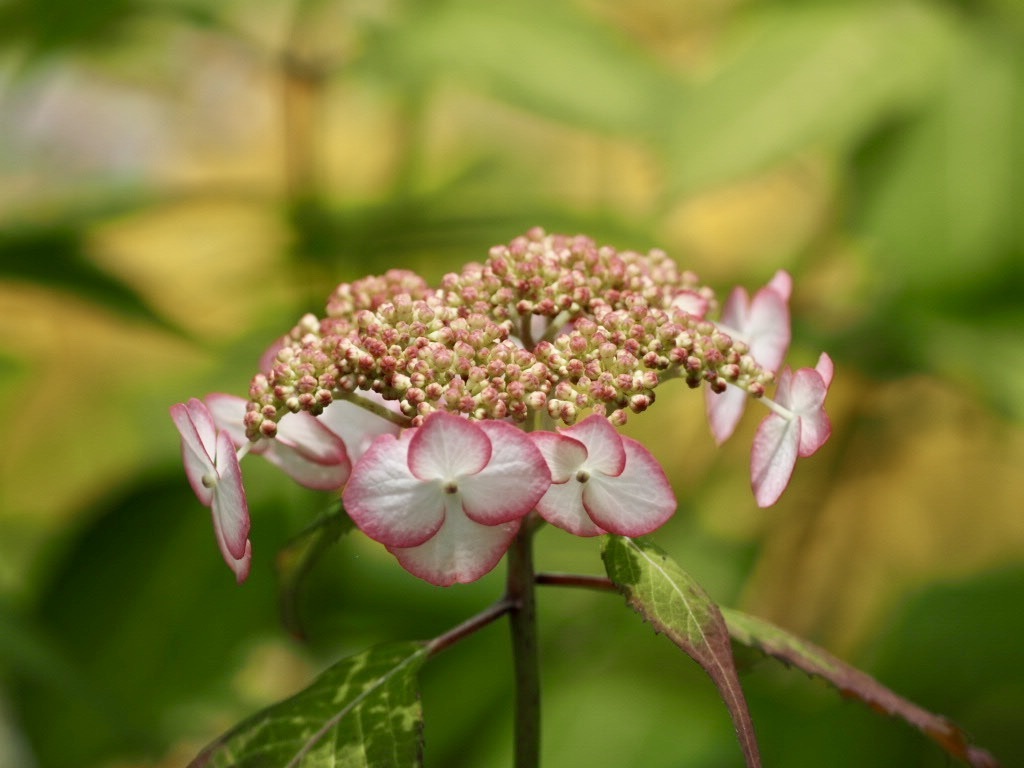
[(525, 658)]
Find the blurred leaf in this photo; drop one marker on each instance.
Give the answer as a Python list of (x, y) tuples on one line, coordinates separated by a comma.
[(665, 595), (298, 557), (937, 195), (148, 620), (801, 76), (956, 645), (852, 682), (48, 25), (547, 57), (362, 712), (55, 257)]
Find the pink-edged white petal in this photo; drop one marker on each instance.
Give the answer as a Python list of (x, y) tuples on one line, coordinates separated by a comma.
[(304, 448), (825, 368), (562, 506), (637, 501), (269, 356), (309, 452), (460, 552), (356, 426), (768, 328), (230, 510), (807, 400), (228, 412), (773, 457), (563, 455), (605, 452), (513, 481), (725, 409), (240, 566), (388, 502), (690, 302), (447, 447), (197, 458)]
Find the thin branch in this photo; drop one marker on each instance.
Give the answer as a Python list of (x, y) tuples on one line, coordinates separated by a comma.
[(599, 583), (468, 627)]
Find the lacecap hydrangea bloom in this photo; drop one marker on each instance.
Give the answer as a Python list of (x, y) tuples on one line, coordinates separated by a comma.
[(451, 415)]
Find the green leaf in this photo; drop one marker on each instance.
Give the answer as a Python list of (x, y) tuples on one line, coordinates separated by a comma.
[(803, 76), (852, 682), (55, 256), (363, 712), (666, 596), (295, 561)]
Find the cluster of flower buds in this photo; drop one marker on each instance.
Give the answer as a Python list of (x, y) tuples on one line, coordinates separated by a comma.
[(449, 414)]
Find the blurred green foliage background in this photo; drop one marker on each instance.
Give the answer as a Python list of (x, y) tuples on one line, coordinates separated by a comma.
[(179, 181)]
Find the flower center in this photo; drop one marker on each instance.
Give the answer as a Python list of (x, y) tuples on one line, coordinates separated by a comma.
[(450, 486), (582, 476)]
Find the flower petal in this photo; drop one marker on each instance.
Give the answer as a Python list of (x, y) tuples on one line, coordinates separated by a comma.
[(309, 452), (387, 501), (563, 455), (358, 427), (605, 452), (725, 410), (448, 447), (513, 481), (197, 460), (310, 474), (230, 509), (636, 502), (806, 400), (228, 413), (562, 506), (460, 552), (773, 457), (768, 327)]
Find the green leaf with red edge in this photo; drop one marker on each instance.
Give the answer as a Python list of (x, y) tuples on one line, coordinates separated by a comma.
[(676, 605), (363, 712), (297, 558), (852, 682)]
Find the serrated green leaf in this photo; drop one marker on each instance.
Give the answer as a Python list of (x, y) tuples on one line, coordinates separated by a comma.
[(363, 712), (295, 560), (676, 605), (801, 76), (765, 636)]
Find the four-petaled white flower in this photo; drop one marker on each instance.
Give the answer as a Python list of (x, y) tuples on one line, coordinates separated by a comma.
[(446, 498), (211, 465), (797, 426), (602, 482), (763, 324), (304, 448)]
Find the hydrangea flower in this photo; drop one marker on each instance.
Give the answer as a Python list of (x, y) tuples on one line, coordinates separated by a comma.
[(446, 498), (763, 325), (547, 330), (797, 426), (602, 482), (211, 466)]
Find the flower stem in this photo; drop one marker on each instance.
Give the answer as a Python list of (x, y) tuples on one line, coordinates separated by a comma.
[(523, 619)]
